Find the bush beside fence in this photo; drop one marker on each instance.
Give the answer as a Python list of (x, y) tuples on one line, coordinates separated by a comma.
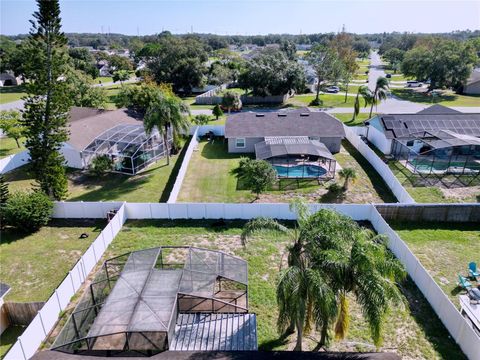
[(36, 332), (12, 162), (383, 170)]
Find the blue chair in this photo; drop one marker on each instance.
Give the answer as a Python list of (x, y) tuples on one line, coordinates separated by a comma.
[(463, 282), (472, 268)]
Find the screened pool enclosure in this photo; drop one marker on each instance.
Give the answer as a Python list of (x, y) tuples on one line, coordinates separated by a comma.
[(297, 157), (438, 154), (152, 300), (129, 147)]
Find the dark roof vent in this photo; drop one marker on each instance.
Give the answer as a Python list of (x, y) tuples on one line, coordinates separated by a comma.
[(282, 115), (304, 114), (260, 115)]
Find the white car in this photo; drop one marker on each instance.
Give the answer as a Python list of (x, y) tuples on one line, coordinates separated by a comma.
[(414, 84), (332, 89)]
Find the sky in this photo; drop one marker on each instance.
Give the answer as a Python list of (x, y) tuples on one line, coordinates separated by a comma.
[(249, 17)]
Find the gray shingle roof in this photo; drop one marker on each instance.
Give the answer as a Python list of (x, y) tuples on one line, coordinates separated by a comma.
[(292, 123), (281, 146), (438, 109)]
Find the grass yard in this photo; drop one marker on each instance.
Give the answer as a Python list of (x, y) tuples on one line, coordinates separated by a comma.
[(363, 62), (346, 118), (35, 264), (444, 249), (360, 76), (209, 179), (8, 338), (152, 185), (8, 146), (433, 194), (329, 100), (102, 80), (11, 93), (448, 99), (412, 331)]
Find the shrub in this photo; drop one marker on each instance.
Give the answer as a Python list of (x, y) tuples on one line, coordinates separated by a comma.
[(316, 102), (217, 111), (201, 119), (28, 211), (100, 165), (257, 175), (335, 188)]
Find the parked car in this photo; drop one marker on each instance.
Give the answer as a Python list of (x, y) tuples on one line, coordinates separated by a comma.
[(414, 83), (332, 89), (388, 76)]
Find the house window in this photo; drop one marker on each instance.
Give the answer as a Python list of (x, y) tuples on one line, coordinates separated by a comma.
[(410, 143), (240, 143)]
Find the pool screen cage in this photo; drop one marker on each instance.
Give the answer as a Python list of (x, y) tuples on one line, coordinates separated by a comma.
[(129, 147), (297, 157), (440, 157), (132, 306)]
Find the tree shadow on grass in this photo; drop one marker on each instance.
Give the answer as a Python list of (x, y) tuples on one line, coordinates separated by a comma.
[(378, 183), (423, 314), (173, 174), (12, 89)]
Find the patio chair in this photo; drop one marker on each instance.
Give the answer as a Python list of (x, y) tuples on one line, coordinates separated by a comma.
[(463, 282), (472, 268)]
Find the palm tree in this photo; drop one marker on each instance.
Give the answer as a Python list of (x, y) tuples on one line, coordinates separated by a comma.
[(347, 174), (366, 94), (165, 113), (380, 93), (303, 294), (330, 258), (356, 262)]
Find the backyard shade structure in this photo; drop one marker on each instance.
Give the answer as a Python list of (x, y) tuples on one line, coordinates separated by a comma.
[(286, 153), (144, 302), (440, 153), (129, 146)]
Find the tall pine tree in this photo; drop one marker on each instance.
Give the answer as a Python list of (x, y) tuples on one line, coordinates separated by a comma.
[(3, 199), (48, 103)]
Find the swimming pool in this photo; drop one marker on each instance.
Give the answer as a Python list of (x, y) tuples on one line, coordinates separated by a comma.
[(427, 166), (300, 171)]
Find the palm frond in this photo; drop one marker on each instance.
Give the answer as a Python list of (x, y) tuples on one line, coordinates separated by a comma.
[(260, 224)]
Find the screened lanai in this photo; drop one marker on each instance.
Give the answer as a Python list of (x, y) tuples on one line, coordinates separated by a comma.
[(439, 153), (129, 146), (297, 157), (153, 300)]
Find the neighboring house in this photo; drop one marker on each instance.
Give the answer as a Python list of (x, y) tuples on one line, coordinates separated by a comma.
[(244, 130), (472, 87), (4, 321), (303, 47), (383, 129), (118, 134), (7, 79), (104, 68)]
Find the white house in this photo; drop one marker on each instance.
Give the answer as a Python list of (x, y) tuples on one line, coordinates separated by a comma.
[(382, 129)]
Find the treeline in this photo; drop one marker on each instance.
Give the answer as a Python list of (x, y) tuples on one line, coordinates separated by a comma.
[(214, 41)]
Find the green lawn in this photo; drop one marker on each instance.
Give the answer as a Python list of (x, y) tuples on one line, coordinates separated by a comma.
[(329, 100), (35, 264), (363, 62), (412, 331), (11, 93), (360, 76), (152, 185), (448, 99), (346, 118), (102, 80), (444, 249), (209, 179), (8, 338), (9, 146)]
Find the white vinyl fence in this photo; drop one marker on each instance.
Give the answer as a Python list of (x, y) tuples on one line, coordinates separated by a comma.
[(33, 336), (183, 169), (448, 313), (387, 175), (12, 162)]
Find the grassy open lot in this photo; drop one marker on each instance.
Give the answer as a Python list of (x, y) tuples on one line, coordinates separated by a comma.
[(8, 146), (444, 249), (35, 264), (360, 76), (152, 185), (412, 331), (112, 91), (448, 99), (423, 192), (11, 93), (8, 338), (209, 179), (363, 62), (329, 100)]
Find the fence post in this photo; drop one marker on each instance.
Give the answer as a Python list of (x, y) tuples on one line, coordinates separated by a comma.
[(41, 322), (21, 347), (71, 279), (58, 300)]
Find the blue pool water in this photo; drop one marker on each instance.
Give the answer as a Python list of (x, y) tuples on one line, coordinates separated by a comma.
[(307, 171)]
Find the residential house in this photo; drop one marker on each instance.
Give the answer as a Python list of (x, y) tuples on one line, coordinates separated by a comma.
[(472, 87)]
